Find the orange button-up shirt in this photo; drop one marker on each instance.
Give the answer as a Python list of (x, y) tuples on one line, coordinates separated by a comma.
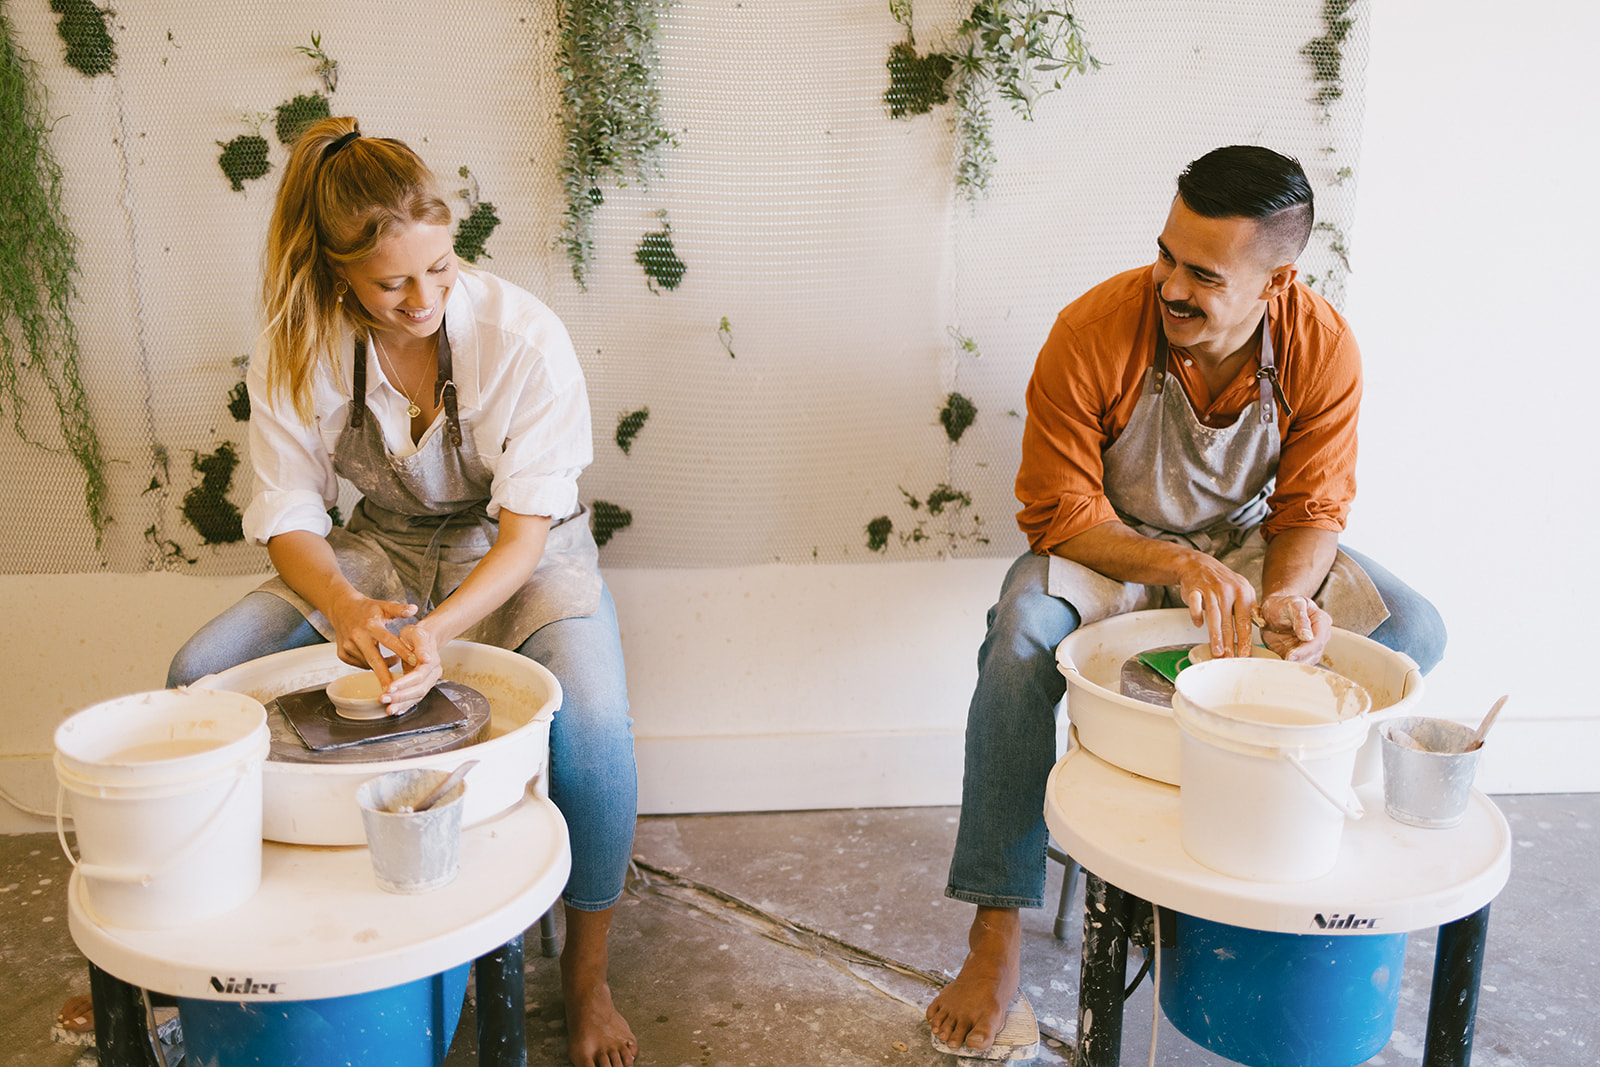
[(1087, 382)]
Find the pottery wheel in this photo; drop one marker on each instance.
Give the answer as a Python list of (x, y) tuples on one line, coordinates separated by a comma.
[(1141, 682), (288, 748)]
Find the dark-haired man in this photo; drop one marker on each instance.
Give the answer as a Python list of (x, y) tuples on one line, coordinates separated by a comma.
[(1191, 441)]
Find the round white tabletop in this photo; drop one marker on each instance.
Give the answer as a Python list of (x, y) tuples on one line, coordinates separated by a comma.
[(319, 926), (1390, 878)]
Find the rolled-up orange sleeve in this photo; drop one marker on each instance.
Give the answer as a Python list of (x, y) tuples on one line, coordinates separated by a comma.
[(1082, 393)]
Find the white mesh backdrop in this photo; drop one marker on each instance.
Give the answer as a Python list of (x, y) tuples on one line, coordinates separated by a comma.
[(828, 235)]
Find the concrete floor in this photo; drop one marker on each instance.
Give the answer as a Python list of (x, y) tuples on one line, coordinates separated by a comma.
[(816, 938)]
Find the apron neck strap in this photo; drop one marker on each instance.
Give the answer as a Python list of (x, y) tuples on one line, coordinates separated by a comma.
[(358, 387), (444, 389)]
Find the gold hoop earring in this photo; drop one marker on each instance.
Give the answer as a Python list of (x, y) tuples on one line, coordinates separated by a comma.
[(340, 288)]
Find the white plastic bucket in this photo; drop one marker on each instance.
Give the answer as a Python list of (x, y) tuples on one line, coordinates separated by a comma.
[(1267, 750), (165, 793)]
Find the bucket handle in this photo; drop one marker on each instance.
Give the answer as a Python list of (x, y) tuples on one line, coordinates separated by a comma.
[(128, 874), (1350, 804)]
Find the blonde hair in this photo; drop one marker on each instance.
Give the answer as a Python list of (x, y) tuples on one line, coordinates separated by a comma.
[(332, 208)]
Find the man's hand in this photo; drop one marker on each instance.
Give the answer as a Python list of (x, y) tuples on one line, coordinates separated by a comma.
[(1222, 601), (1295, 627)]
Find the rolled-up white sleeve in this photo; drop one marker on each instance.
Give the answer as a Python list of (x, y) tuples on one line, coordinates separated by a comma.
[(536, 434), (295, 484)]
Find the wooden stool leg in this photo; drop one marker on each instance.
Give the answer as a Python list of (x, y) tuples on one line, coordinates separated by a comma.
[(1453, 1004), (120, 1036), (1104, 971), (502, 1013)]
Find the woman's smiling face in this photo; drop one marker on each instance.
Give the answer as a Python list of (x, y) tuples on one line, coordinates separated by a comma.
[(404, 284)]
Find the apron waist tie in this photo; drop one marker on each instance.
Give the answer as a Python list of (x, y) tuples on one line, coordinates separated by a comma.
[(428, 572)]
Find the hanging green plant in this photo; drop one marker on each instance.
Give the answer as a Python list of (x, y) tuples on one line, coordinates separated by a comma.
[(38, 260), (477, 226), (957, 414), (606, 58), (83, 27), (1019, 49), (327, 67), (1326, 53), (206, 506), (628, 427), (878, 531), (725, 335), (608, 520), (658, 258), (245, 157), (295, 116)]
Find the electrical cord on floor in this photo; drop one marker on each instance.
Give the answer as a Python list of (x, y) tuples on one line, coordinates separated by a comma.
[(20, 806)]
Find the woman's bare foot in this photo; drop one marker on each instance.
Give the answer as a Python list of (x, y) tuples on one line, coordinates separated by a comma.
[(972, 1009), (597, 1034)]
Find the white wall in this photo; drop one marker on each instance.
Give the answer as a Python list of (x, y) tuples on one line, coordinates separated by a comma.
[(799, 686), (1474, 296)]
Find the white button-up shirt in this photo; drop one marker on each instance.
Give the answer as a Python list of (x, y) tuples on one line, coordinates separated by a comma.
[(521, 397)]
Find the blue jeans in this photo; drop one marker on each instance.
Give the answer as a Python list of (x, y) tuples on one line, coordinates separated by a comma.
[(999, 859), (593, 779)]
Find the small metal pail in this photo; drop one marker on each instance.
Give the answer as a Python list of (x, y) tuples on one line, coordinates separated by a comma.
[(1428, 788)]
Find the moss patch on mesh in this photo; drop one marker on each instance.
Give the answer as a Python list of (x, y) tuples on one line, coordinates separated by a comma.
[(628, 427), (206, 506), (957, 414), (294, 117), (608, 519), (243, 159), (83, 28)]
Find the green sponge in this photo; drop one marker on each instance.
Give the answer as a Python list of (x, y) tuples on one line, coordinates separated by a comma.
[(1166, 663)]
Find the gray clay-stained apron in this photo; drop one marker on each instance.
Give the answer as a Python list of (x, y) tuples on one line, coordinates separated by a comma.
[(422, 524), (1173, 478)]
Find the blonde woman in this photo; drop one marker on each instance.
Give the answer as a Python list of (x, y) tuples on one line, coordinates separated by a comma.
[(454, 402)]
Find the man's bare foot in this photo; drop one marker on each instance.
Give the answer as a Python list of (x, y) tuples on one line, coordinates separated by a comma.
[(597, 1034), (972, 1008)]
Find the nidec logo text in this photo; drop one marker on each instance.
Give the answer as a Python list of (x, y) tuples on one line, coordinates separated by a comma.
[(242, 987), (1344, 922)]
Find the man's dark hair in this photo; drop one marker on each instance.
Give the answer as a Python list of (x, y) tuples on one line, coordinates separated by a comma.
[(1248, 181)]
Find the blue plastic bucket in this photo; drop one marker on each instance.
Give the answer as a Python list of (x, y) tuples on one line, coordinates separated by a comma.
[(409, 1025), (1268, 999)]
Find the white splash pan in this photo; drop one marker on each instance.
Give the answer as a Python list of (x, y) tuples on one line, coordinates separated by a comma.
[(1143, 738), (315, 803)]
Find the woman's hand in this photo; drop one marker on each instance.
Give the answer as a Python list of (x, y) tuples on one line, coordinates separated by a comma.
[(422, 672), (361, 625)]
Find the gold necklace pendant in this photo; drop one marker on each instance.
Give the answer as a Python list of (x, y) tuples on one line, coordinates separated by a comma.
[(413, 409)]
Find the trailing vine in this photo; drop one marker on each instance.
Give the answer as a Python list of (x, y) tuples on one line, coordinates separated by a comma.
[(1325, 54), (1017, 49), (606, 58), (38, 260)]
